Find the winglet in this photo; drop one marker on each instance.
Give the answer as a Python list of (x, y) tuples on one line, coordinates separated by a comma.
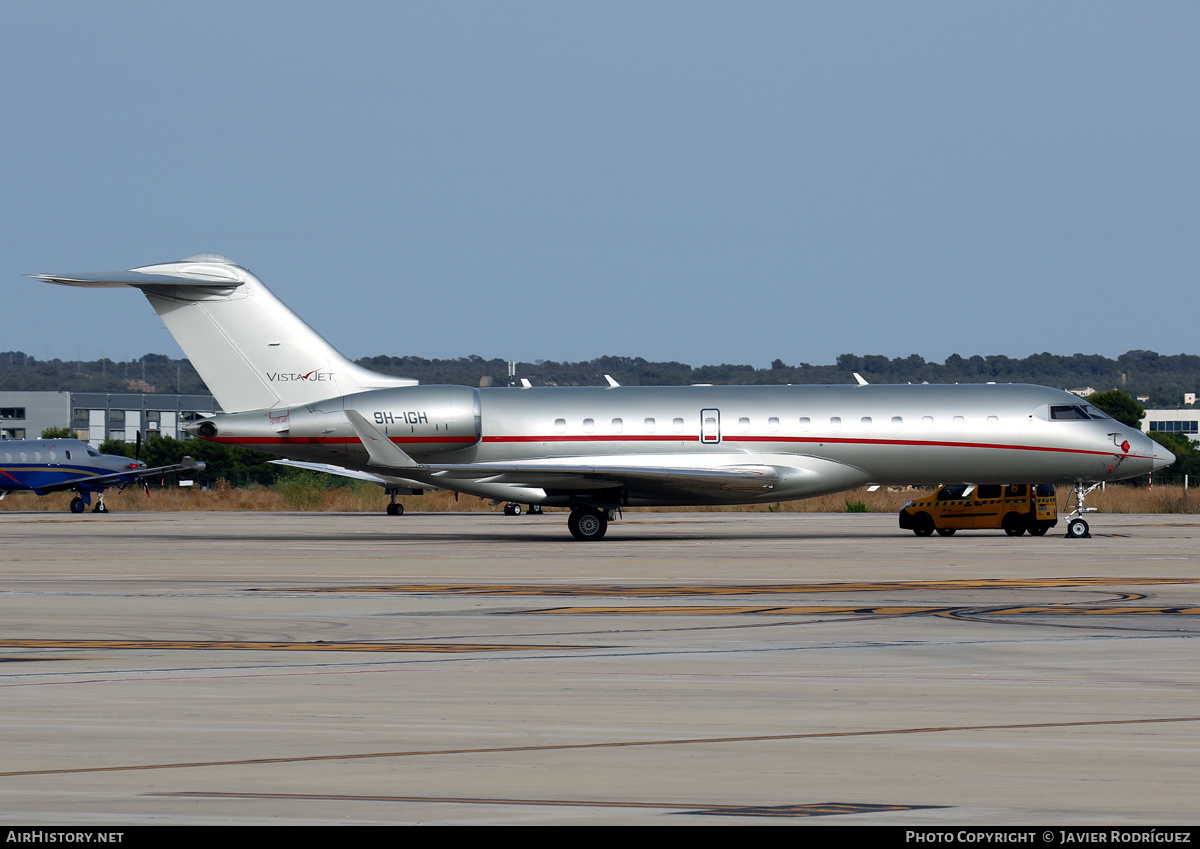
[(383, 451)]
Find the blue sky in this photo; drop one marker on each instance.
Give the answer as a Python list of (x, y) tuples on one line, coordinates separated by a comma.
[(692, 181)]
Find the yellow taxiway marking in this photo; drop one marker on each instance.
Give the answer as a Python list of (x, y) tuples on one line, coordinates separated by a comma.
[(242, 645), (687, 741), (822, 809), (732, 589)]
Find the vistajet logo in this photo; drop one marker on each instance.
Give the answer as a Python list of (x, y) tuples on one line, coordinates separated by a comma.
[(315, 376)]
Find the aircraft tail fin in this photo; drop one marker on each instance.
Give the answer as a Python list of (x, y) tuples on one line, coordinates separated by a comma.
[(252, 351)]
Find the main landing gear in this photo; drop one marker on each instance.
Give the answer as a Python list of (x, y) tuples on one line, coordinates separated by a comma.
[(512, 508), (1077, 528), (78, 504), (588, 523)]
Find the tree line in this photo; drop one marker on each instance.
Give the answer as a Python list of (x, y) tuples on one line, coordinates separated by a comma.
[(1163, 379)]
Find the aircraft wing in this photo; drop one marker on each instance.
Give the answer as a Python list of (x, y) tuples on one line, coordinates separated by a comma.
[(609, 473), (122, 477), (747, 478), (327, 468)]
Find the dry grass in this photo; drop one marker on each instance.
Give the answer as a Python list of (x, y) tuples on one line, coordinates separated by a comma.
[(320, 497)]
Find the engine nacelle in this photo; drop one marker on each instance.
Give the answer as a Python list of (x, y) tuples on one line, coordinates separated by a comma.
[(421, 420)]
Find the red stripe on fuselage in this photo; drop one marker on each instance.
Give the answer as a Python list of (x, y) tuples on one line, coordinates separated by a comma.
[(561, 438)]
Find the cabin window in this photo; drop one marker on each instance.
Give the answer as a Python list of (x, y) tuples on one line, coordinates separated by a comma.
[(805, 423), (649, 425), (773, 424), (744, 424), (37, 456), (617, 425), (24, 457), (959, 423), (866, 424), (927, 422), (53, 457), (560, 425), (993, 422), (897, 423), (8, 456), (835, 424), (589, 425), (68, 453), (677, 425)]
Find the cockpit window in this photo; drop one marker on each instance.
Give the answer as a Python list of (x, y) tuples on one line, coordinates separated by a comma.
[(1072, 412)]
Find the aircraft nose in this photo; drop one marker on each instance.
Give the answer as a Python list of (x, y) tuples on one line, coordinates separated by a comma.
[(1162, 457)]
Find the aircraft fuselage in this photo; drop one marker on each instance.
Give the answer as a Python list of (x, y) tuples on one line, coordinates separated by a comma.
[(826, 438)]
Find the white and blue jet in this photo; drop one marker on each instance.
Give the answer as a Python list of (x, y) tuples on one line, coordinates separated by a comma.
[(594, 450)]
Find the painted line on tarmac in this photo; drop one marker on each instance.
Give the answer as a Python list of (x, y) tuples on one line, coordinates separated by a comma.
[(213, 645), (823, 809), (689, 741), (973, 610), (729, 589)]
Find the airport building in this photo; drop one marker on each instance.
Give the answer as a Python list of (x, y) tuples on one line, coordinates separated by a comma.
[(97, 416), (1185, 421)]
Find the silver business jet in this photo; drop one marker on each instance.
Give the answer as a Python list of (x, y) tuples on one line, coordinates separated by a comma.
[(286, 391)]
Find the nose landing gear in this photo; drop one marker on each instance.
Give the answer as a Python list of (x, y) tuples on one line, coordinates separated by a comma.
[(1077, 527)]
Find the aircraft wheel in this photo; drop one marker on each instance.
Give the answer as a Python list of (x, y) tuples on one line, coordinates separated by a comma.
[(512, 509), (1077, 529), (1038, 531), (77, 505), (99, 508), (923, 525), (535, 509), (396, 509), (1013, 525), (946, 532), (587, 523)]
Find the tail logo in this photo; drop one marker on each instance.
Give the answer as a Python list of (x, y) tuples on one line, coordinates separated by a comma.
[(314, 376)]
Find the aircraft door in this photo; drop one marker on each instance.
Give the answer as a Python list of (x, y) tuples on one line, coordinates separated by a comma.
[(710, 427)]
